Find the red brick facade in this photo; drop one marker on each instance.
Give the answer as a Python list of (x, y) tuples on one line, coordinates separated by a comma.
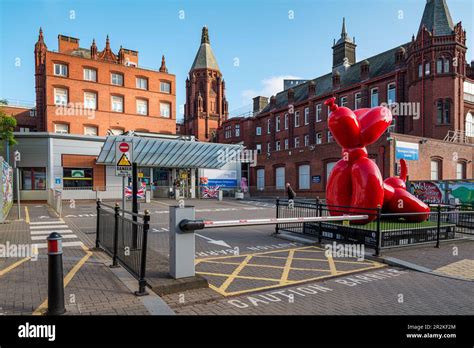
[(424, 77), (156, 97)]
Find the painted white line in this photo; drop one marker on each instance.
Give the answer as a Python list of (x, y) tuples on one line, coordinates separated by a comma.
[(44, 237), (212, 241), (47, 222), (66, 244), (44, 227), (52, 230)]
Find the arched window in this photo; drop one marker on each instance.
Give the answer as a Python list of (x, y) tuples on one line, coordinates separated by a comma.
[(469, 129), (446, 65), (439, 65)]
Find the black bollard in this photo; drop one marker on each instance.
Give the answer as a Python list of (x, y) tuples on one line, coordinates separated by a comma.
[(55, 275)]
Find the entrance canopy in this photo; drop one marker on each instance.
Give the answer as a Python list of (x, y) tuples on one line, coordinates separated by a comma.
[(158, 152)]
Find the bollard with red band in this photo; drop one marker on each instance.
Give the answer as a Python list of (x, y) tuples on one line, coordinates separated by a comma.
[(55, 275)]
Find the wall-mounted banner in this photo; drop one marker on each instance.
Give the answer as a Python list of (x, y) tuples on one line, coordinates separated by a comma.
[(407, 151)]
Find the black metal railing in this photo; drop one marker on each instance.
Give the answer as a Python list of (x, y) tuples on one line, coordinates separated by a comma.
[(383, 231), (121, 235)]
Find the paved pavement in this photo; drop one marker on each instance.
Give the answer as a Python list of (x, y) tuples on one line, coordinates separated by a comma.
[(250, 270), (90, 285)]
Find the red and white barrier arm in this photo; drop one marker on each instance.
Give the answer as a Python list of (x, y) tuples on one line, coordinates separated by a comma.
[(189, 225)]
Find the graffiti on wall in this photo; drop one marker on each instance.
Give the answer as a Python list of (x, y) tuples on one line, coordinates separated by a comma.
[(444, 191), (6, 189)]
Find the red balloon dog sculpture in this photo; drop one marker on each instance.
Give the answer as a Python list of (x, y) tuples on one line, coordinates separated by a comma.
[(355, 180)]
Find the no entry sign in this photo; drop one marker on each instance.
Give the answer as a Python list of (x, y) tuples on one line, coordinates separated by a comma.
[(124, 147), (123, 158)]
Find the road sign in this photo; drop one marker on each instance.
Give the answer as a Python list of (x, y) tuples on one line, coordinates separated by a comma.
[(124, 147), (123, 158)]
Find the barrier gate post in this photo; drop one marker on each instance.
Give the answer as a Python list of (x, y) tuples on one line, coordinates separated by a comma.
[(182, 246)]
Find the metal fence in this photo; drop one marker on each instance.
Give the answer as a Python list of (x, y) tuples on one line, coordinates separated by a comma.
[(122, 236), (385, 231)]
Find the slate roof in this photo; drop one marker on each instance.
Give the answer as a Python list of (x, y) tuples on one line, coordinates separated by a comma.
[(437, 17), (205, 58), (380, 64)]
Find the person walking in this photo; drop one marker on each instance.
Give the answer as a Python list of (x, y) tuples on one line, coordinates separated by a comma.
[(290, 191)]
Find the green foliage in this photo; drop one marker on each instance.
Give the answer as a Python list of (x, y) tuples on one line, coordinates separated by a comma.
[(7, 126)]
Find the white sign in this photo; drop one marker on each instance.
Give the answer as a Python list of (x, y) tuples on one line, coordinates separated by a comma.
[(123, 158)]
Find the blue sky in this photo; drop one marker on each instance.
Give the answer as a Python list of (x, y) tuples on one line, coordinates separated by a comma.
[(256, 43)]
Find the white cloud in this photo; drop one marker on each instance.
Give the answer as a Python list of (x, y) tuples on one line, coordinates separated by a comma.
[(269, 86)]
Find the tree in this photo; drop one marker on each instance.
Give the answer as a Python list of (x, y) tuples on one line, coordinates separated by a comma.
[(7, 126)]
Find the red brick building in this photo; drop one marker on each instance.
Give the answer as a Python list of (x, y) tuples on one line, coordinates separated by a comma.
[(206, 105), (98, 92), (427, 82)]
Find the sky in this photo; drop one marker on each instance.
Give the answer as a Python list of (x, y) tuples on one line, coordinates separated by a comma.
[(257, 43)]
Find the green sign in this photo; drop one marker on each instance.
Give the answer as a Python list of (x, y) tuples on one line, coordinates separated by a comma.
[(77, 173)]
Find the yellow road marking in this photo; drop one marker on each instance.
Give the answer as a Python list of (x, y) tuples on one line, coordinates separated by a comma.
[(265, 266), (241, 277), (42, 308), (322, 260), (332, 266), (234, 274), (286, 270), (27, 215), (13, 266)]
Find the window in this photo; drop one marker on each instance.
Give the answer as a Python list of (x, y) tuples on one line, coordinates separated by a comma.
[(277, 124), (357, 101), (319, 138), (297, 142), (90, 100), (280, 178), (277, 146), (297, 119), (374, 97), (439, 66), (33, 178), (116, 131), (90, 130), (228, 132), (24, 129), (343, 101), (142, 83), (286, 121), (165, 110), (269, 126), (469, 125), (258, 147), (117, 103), (318, 113), (330, 138), (303, 177), (90, 74), (260, 179), (436, 169), (427, 68), (78, 177), (461, 170), (60, 70), (306, 140), (391, 93), (61, 128), (269, 147), (237, 130), (306, 116), (142, 107), (165, 87), (420, 70), (286, 144), (117, 79), (329, 168), (258, 131), (443, 111), (60, 96), (446, 65), (447, 112)]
